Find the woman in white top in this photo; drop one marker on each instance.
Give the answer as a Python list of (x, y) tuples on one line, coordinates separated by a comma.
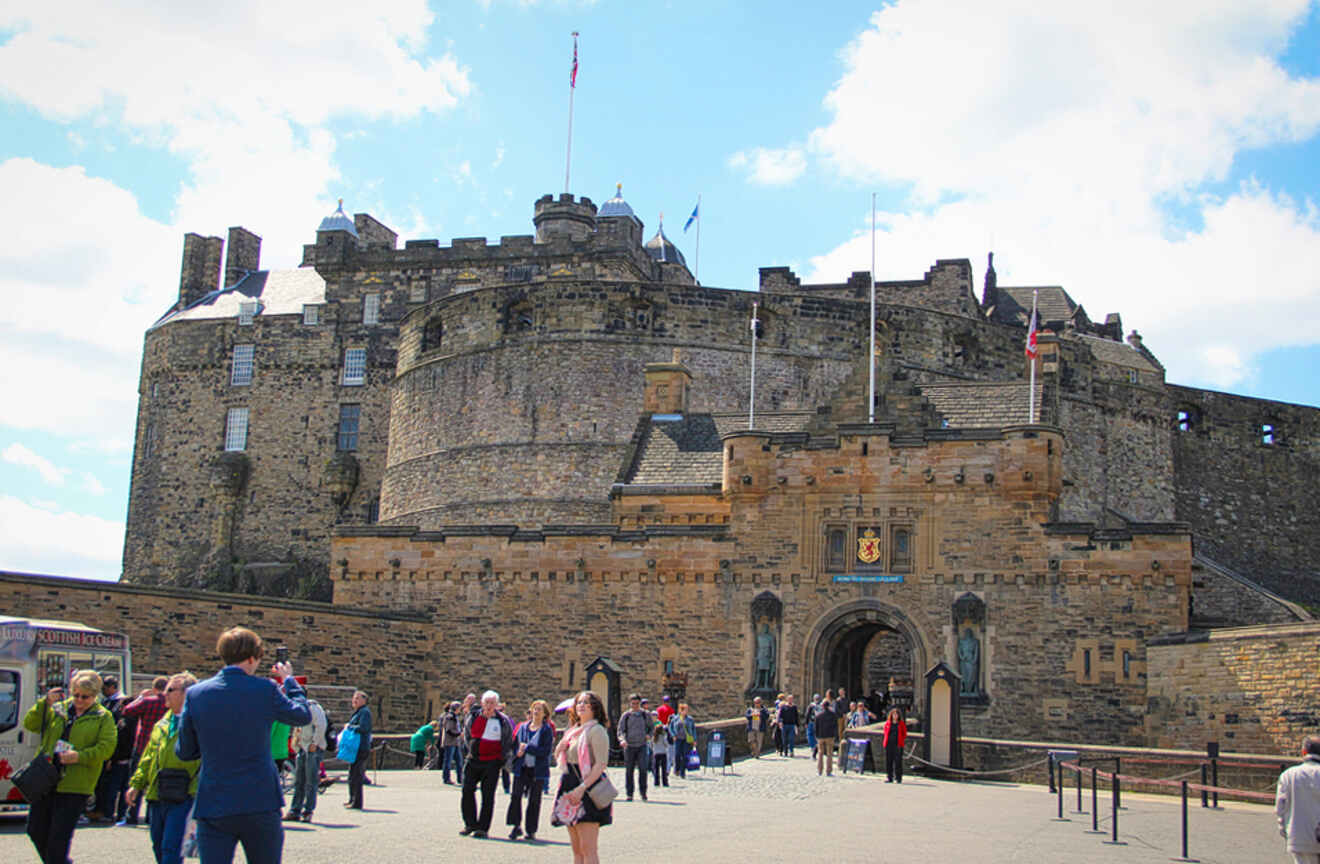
[(582, 755)]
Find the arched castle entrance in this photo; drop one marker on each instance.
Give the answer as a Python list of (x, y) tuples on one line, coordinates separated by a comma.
[(859, 645)]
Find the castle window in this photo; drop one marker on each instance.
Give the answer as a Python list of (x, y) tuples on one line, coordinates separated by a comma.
[(1127, 665), (669, 667), (149, 441), (1268, 435), (349, 416), (370, 309), (1133, 377), (900, 550), (1086, 663), (417, 292), (311, 315), (355, 366), (236, 429), (246, 311), (373, 510), (432, 334), (241, 372), (836, 549), (1187, 419)]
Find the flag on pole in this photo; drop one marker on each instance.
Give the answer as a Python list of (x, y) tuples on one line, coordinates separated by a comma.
[(572, 76), (1031, 331), (693, 218)]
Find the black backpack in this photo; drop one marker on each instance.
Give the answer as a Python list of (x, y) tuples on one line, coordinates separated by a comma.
[(331, 736)]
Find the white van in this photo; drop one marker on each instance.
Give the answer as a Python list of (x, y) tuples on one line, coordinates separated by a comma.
[(34, 655)]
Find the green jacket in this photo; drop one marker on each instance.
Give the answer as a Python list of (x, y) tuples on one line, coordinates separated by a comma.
[(93, 735), (421, 739), (159, 755), (279, 740)]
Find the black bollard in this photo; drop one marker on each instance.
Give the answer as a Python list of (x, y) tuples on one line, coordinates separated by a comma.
[(1204, 802), (1118, 769), (1184, 819), (1051, 758), (1214, 781), (1079, 787), (1059, 790), (1114, 827), (1095, 811)]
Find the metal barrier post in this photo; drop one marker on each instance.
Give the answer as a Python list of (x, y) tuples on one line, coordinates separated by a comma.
[(1184, 819), (1095, 811), (1059, 794), (1079, 787), (1214, 781), (1118, 769), (1051, 758), (1113, 837), (1204, 802)]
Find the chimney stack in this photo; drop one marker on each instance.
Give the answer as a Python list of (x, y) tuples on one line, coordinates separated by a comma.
[(242, 255), (667, 386), (200, 273)]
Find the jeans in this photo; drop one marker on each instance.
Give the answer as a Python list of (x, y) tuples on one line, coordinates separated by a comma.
[(660, 768), (681, 749), (167, 822), (261, 833), (525, 783), (790, 732), (306, 781), (634, 761), (356, 773), (451, 757), (110, 789), (487, 774), (894, 762), (50, 825), (811, 737)]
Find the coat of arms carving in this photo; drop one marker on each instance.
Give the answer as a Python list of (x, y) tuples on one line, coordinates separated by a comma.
[(868, 547)]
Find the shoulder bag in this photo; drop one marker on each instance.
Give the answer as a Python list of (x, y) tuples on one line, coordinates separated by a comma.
[(39, 777), (172, 785), (602, 792)]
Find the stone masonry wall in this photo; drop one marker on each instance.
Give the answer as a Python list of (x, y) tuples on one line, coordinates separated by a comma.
[(1251, 503), (1252, 688), (172, 629)]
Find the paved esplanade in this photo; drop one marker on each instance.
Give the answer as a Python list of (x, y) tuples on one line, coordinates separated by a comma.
[(775, 807)]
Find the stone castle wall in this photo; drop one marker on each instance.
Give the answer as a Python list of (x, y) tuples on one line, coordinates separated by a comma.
[(1251, 689), (172, 629), (1251, 503)]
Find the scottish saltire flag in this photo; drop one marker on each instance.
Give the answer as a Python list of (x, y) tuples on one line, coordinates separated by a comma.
[(692, 218), (572, 76)]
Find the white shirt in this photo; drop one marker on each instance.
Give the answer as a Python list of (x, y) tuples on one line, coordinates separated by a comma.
[(492, 730)]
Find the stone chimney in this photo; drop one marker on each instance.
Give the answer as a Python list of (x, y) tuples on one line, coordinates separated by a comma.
[(667, 386), (200, 273), (242, 254)]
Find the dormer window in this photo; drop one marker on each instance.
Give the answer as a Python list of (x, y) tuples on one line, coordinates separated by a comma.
[(311, 315), (247, 310)]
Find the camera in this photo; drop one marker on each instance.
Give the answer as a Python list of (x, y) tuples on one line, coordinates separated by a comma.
[(282, 654)]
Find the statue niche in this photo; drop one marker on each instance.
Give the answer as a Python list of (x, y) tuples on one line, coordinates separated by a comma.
[(767, 612), (969, 647)]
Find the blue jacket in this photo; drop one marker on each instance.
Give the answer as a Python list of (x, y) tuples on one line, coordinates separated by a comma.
[(539, 744), (361, 721), (226, 723)]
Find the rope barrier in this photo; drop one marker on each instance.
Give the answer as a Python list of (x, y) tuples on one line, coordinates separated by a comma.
[(976, 773), (1177, 784)]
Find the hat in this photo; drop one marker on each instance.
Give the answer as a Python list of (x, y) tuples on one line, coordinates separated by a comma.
[(666, 698), (109, 681), (645, 700)]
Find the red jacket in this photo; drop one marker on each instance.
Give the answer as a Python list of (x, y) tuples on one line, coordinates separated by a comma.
[(899, 728)]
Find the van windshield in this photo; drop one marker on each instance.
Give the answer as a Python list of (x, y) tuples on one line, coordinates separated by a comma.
[(9, 693)]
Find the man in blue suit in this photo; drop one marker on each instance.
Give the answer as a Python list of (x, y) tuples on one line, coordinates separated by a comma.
[(226, 723)]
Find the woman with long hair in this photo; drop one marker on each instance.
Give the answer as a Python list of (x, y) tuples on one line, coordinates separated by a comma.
[(895, 735), (582, 755), (531, 774)]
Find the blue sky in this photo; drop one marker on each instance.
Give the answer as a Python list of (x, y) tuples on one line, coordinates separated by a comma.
[(1156, 163)]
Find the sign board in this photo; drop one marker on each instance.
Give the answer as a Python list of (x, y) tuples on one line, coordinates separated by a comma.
[(715, 750), (854, 758), (868, 577)]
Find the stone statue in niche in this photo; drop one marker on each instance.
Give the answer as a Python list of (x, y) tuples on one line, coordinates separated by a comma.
[(969, 662), (765, 658)]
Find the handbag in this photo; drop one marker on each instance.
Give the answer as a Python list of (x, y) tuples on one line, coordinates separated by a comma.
[(349, 742), (172, 785), (566, 812), (603, 792), (37, 779)]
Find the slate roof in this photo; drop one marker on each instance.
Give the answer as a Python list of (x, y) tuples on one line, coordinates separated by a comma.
[(1118, 353), (984, 404), (1013, 305), (277, 292), (687, 451)]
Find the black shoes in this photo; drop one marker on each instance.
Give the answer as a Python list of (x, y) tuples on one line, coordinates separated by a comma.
[(515, 833), (467, 830), (479, 834)]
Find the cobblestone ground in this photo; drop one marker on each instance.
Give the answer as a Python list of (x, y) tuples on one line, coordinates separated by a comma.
[(773, 809)]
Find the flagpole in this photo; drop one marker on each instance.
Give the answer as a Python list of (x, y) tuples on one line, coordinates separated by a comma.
[(698, 273), (751, 401), (1031, 388), (572, 88), (870, 411)]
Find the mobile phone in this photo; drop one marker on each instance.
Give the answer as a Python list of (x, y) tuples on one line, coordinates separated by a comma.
[(282, 654)]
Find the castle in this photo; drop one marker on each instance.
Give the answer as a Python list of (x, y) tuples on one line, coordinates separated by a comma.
[(547, 441)]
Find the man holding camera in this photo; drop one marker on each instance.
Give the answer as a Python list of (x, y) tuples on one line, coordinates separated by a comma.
[(226, 722)]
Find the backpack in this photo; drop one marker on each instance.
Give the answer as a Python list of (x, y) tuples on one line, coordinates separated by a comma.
[(331, 736)]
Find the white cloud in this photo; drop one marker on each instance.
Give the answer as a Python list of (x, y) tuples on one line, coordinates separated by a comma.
[(17, 454), (1065, 137), (38, 540), (91, 485), (768, 167)]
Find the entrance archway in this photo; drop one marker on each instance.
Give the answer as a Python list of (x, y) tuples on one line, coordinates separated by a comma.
[(855, 644)]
